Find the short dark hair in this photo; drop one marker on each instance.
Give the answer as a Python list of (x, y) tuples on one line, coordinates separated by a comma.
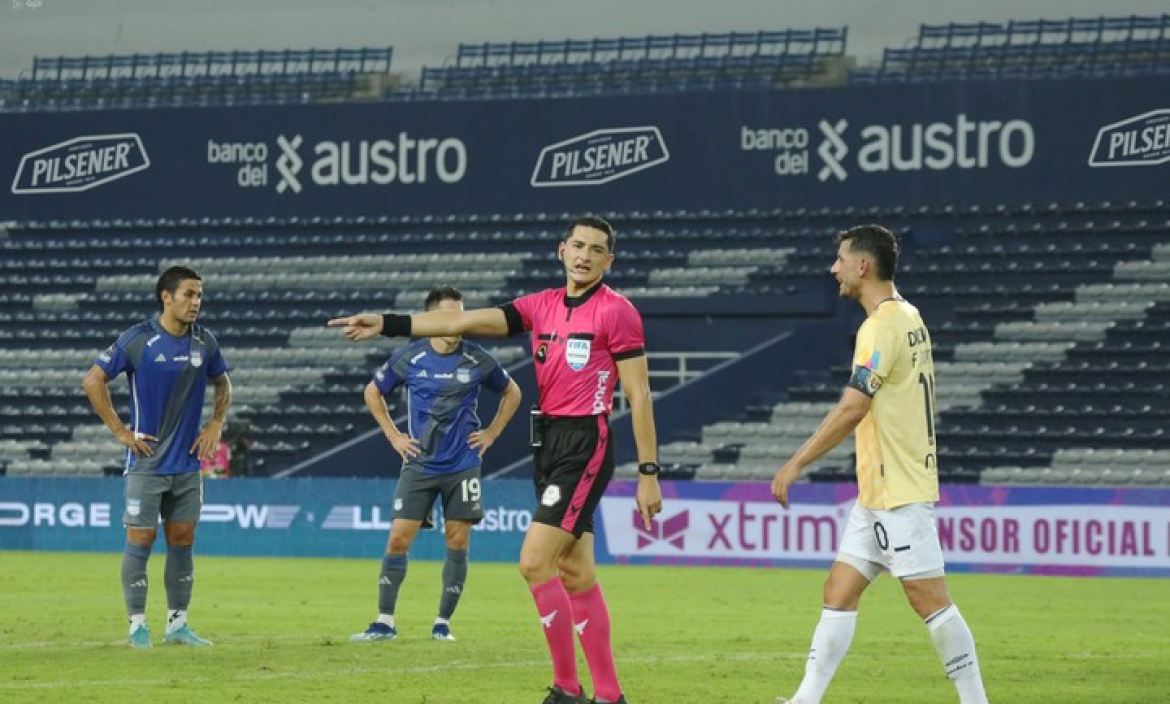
[(596, 223), (171, 278), (877, 241), (439, 294)]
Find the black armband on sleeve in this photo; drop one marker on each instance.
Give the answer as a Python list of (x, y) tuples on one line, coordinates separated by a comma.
[(865, 380), (394, 325), (515, 321), (629, 354)]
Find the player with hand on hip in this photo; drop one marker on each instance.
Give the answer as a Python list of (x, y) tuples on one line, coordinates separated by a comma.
[(168, 361), (442, 452)]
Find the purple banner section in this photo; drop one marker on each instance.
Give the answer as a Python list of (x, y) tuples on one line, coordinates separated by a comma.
[(1018, 530)]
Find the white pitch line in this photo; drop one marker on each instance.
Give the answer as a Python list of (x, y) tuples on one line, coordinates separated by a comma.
[(302, 676), (65, 645)]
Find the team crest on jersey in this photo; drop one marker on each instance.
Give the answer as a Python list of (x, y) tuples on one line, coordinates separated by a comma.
[(542, 352), (196, 358), (577, 353), (463, 376)]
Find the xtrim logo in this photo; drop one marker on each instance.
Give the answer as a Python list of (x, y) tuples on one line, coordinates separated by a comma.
[(673, 530), (80, 164), (599, 157), (724, 528), (1137, 141)]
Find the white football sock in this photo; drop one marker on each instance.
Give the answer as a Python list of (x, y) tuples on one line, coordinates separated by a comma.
[(137, 620), (387, 619), (956, 648), (830, 643), (175, 620)]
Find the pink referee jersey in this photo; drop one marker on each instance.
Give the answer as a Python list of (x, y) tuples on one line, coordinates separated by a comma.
[(576, 344)]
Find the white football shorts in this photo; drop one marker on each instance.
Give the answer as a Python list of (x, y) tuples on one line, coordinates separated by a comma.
[(903, 540)]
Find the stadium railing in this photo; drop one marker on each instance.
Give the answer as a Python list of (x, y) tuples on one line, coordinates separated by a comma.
[(1075, 47)]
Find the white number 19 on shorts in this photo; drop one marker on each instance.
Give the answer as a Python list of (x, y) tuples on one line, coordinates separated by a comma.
[(469, 488)]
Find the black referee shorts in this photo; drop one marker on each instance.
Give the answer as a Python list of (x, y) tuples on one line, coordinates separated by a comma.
[(573, 467)]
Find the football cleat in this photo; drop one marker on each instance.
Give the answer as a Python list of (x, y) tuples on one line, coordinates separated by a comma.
[(376, 631), (140, 638), (556, 695), (441, 631), (184, 636)]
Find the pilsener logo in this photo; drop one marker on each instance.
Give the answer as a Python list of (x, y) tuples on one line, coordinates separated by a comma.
[(673, 530), (1138, 141), (599, 157), (80, 164)]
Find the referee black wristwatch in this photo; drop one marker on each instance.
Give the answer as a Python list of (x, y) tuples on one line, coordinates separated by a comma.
[(650, 469)]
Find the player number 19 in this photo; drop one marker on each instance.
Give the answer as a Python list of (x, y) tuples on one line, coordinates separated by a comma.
[(470, 489)]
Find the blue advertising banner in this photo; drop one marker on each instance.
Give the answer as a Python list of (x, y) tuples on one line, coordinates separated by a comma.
[(287, 518), (1030, 530), (905, 144)]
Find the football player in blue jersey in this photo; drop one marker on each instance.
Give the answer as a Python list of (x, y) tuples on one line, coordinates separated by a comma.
[(442, 451), (168, 361)]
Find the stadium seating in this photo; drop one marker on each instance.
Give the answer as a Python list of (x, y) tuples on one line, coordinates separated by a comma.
[(1048, 341), (213, 63), (269, 302), (1032, 49), (193, 79), (1049, 336), (1050, 321), (760, 60), (647, 64)]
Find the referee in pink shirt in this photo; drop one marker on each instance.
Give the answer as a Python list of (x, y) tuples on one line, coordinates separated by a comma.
[(585, 336)]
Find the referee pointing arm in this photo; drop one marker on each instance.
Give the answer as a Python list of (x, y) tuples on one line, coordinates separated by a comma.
[(584, 336)]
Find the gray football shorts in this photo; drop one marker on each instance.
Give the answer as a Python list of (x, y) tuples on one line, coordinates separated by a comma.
[(461, 493), (174, 497)]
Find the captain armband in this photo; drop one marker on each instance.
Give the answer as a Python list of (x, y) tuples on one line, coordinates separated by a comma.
[(865, 380)]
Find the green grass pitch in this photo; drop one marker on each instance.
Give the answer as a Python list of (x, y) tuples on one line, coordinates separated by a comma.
[(681, 635)]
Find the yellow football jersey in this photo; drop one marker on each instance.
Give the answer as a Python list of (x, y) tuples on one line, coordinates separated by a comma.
[(897, 460)]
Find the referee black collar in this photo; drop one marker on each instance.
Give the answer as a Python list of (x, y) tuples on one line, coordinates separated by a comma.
[(577, 301)]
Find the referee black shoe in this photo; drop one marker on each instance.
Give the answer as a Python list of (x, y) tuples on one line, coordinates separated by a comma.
[(556, 695)]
